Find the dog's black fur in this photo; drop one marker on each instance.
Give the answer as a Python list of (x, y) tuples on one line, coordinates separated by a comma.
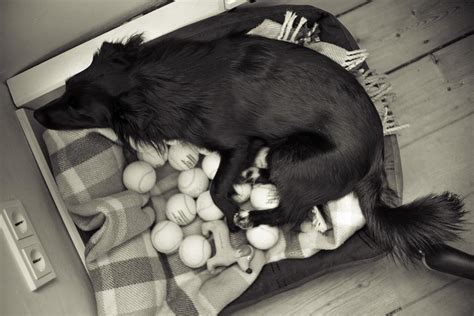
[(237, 94)]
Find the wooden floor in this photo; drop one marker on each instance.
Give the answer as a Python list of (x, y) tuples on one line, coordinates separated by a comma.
[(427, 49)]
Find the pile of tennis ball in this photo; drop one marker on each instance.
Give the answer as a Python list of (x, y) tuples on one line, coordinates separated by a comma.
[(194, 199)]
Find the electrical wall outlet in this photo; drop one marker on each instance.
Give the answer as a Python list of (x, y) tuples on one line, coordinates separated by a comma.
[(25, 245), (17, 220), (36, 261)]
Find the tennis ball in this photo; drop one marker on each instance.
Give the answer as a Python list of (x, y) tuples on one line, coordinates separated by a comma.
[(242, 192), (206, 209), (139, 176), (263, 237), (203, 151), (154, 157), (149, 153), (194, 251), (166, 237), (183, 156), (264, 197), (193, 182), (181, 209), (210, 164), (261, 158)]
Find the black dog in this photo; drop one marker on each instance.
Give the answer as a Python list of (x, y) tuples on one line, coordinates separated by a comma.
[(237, 94)]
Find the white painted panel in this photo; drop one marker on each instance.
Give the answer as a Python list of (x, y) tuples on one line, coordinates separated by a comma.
[(51, 74)]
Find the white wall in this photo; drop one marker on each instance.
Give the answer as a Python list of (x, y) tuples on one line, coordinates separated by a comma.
[(34, 30)]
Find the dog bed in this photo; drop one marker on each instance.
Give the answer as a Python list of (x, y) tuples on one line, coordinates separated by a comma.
[(127, 274)]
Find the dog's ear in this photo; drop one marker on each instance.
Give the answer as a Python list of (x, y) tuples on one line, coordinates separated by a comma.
[(130, 115)]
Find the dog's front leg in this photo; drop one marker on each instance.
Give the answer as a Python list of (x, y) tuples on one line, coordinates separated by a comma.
[(232, 163)]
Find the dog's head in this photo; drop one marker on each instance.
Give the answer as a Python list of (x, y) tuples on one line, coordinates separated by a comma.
[(92, 97)]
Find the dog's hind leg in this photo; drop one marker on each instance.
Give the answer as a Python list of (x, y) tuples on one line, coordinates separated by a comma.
[(246, 219), (233, 162), (307, 170)]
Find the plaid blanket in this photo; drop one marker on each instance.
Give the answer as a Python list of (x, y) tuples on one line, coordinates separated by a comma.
[(127, 273)]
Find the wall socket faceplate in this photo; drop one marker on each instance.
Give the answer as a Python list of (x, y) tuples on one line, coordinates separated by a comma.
[(25, 245)]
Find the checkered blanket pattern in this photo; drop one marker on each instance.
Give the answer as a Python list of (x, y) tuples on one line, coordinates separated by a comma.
[(128, 275)]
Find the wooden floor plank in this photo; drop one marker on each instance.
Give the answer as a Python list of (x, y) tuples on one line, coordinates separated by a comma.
[(376, 288), (350, 291), (455, 300), (434, 91), (440, 161), (395, 32), (332, 6), (414, 283)]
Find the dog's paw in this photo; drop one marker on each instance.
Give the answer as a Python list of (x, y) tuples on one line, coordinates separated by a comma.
[(250, 175), (242, 219), (231, 225)]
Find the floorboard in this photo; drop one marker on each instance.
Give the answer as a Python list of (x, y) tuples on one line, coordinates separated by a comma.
[(440, 161), (442, 92), (351, 289), (396, 32), (378, 288), (454, 299)]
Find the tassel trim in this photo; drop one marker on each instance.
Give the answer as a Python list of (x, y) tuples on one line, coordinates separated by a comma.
[(376, 86)]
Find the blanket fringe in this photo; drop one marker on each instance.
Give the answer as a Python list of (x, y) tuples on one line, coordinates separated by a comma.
[(348, 59), (302, 22), (380, 92), (376, 86)]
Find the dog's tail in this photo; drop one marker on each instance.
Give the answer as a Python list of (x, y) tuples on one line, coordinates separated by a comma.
[(419, 226)]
